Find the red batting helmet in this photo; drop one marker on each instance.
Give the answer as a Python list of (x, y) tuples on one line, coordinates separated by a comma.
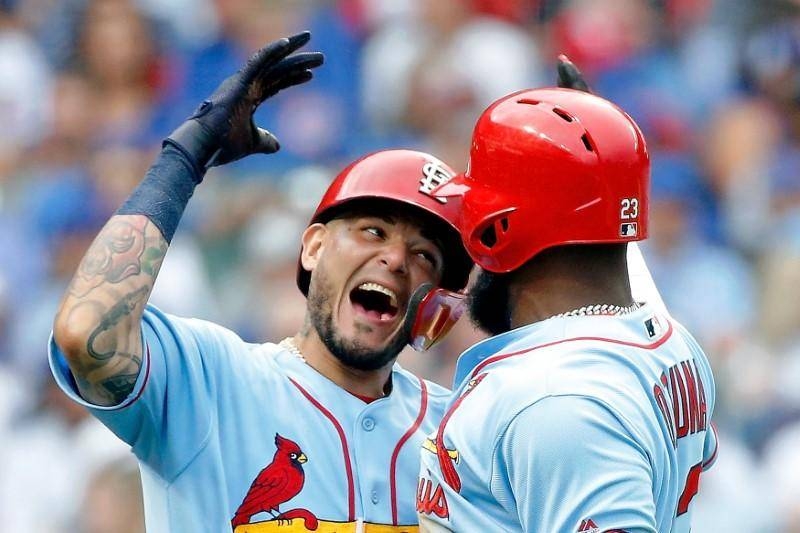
[(407, 177), (550, 167)]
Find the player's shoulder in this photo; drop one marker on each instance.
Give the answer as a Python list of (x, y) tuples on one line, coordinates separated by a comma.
[(410, 383), (581, 355), (190, 326), (208, 339), (412, 389)]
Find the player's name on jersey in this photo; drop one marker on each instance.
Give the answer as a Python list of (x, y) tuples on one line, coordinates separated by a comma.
[(298, 525), (681, 398)]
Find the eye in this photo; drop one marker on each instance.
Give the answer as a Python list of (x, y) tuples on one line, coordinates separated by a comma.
[(429, 257), (293, 455), (376, 231)]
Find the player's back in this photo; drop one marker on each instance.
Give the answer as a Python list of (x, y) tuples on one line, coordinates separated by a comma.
[(684, 396), (650, 373), (609, 416)]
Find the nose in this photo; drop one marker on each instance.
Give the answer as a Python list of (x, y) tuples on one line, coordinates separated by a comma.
[(394, 255)]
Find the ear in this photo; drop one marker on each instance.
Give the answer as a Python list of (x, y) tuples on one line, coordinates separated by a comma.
[(313, 244)]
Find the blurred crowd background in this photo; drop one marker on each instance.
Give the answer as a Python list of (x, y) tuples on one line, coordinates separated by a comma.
[(88, 88)]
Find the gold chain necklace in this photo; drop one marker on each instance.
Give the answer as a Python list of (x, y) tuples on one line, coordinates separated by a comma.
[(289, 345)]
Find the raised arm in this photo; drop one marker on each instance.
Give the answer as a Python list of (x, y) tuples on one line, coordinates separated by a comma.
[(97, 326)]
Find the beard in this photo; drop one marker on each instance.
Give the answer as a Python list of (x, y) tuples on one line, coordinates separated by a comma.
[(488, 303), (350, 352)]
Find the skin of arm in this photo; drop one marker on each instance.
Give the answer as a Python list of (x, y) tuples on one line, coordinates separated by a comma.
[(97, 326)]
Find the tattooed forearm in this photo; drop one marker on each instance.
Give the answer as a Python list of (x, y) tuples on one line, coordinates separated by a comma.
[(120, 386), (112, 390), (98, 324), (119, 312), (124, 248)]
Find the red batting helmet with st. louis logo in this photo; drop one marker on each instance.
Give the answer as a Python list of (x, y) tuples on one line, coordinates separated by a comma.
[(407, 177)]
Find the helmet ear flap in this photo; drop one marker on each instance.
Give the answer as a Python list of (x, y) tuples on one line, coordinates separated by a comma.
[(491, 234)]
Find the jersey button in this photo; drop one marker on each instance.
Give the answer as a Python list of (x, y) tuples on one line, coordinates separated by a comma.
[(368, 424), (374, 497)]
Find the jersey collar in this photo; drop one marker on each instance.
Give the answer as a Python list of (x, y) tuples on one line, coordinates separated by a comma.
[(486, 348), (504, 342)]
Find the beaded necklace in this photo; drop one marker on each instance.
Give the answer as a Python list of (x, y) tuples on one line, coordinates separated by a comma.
[(600, 309)]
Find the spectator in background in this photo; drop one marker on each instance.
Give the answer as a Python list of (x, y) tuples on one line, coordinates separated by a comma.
[(47, 462), (684, 263), (738, 144), (432, 75), (271, 240), (50, 194), (734, 495), (24, 90), (67, 142), (113, 500), (13, 395), (780, 326), (129, 75), (756, 174), (630, 62), (186, 23), (781, 464), (316, 123)]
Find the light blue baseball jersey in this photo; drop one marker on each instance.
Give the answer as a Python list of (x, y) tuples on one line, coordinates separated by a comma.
[(573, 424), (248, 436)]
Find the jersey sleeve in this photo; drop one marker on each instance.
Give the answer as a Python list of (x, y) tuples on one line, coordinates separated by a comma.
[(167, 416), (710, 447), (566, 463)]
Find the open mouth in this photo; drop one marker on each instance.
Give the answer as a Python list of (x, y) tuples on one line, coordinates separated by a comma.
[(376, 301)]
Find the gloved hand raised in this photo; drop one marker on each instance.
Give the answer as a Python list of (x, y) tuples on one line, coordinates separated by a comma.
[(569, 77), (222, 130)]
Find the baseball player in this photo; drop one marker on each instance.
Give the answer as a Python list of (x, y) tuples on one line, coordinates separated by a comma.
[(587, 411), (320, 432)]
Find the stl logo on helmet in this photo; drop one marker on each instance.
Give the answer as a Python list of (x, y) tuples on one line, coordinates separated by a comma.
[(433, 175)]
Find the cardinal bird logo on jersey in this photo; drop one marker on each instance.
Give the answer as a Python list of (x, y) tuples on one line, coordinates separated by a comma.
[(448, 458), (278, 482)]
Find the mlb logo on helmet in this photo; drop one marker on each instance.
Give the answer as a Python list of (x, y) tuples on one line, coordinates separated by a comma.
[(628, 229)]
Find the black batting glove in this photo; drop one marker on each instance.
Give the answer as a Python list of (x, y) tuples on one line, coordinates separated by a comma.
[(569, 77), (222, 130)]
